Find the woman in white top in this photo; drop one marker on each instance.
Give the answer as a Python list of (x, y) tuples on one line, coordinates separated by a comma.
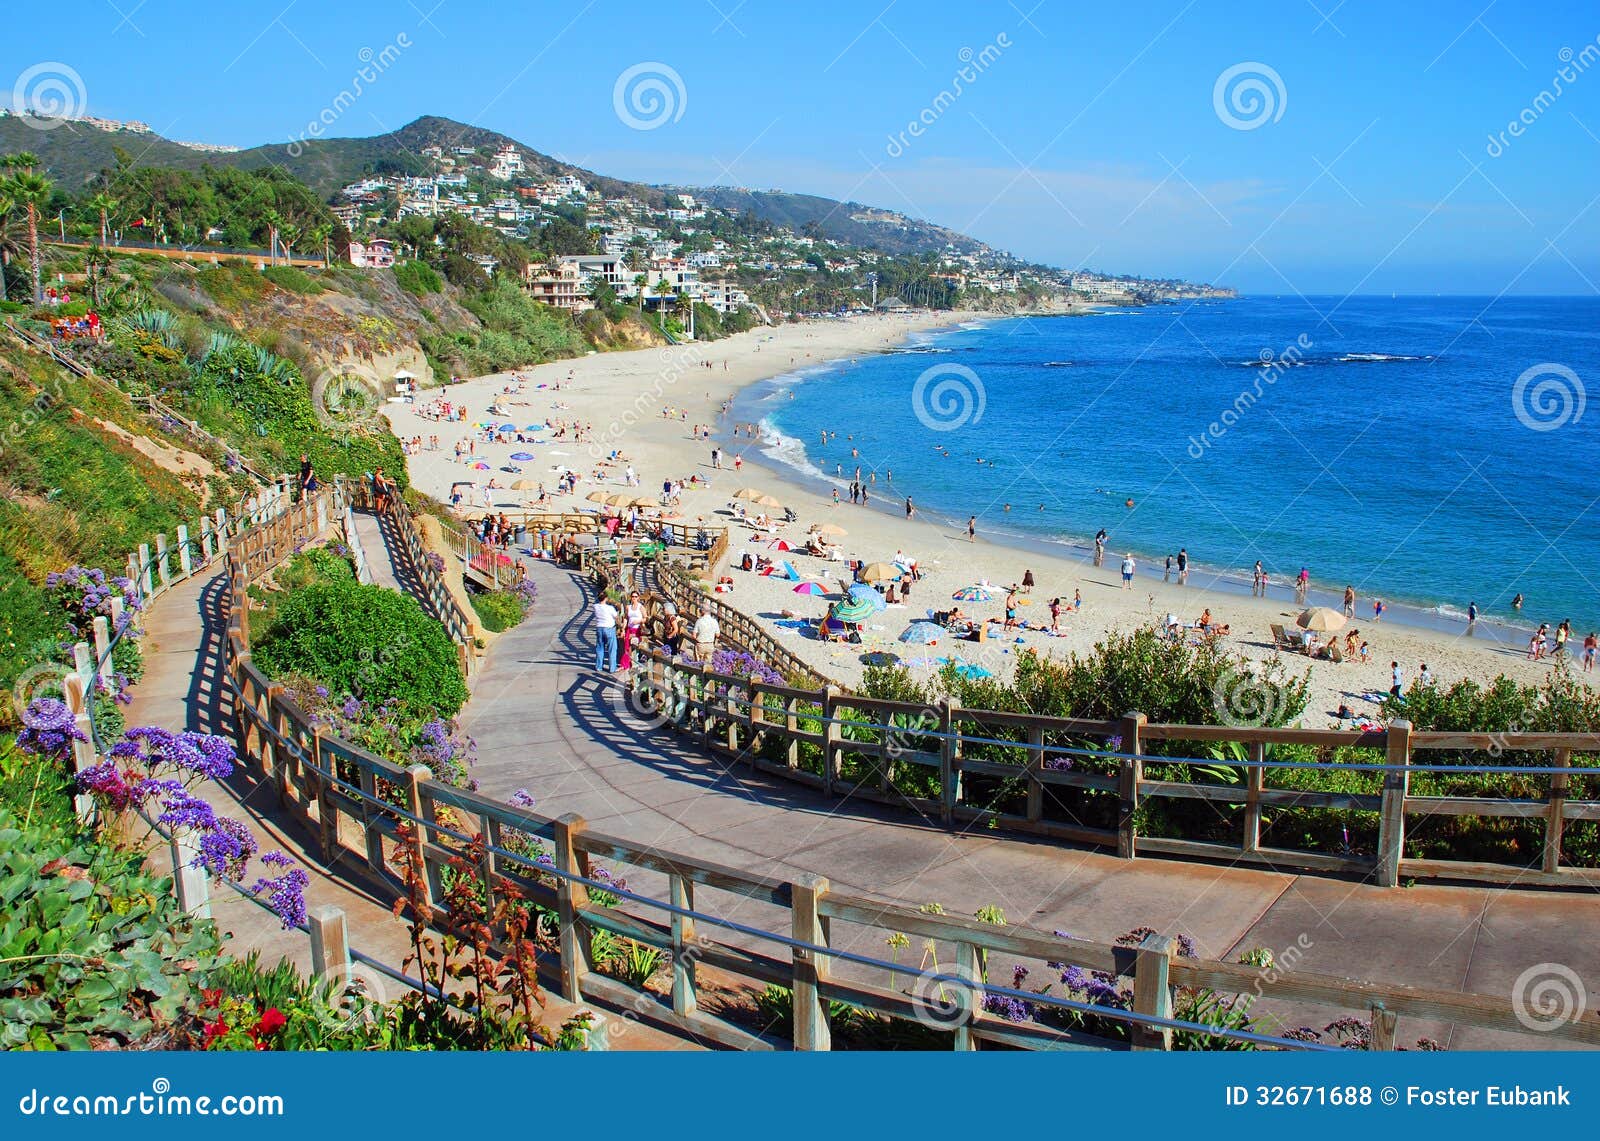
[(632, 623)]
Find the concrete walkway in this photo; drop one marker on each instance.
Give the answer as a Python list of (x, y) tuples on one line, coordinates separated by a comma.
[(543, 720), (184, 688)]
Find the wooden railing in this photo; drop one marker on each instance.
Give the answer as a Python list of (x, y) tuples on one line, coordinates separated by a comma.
[(1057, 777), (361, 807), (738, 629)]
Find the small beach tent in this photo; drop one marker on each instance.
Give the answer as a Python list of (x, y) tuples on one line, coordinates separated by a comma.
[(881, 572), (788, 568), (779, 545)]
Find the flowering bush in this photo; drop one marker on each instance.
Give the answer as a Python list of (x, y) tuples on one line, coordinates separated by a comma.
[(84, 593), (389, 730), (154, 772), (49, 728), (738, 663)]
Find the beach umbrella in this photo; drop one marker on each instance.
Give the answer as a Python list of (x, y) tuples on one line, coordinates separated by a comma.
[(789, 569), (480, 466), (767, 501), (829, 529), (522, 457), (854, 610), (643, 501), (507, 428), (809, 587), (784, 571), (780, 545), (1320, 618), (617, 499), (862, 591), (922, 633), (525, 485), (972, 594), (594, 496), (534, 428), (881, 572), (748, 493), (402, 374)]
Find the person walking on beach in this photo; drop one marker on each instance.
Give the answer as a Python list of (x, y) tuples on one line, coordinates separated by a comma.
[(1011, 608), (1183, 566), (1591, 644), (1303, 583), (1563, 632), (1349, 601), (1027, 581), (972, 528), (1167, 576), (1472, 614), (1377, 609), (1396, 680), (1127, 571), (1100, 546), (605, 635), (1258, 584), (910, 510), (1055, 616)]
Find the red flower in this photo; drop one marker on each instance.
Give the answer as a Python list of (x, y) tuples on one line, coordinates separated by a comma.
[(272, 1021), (210, 997), (215, 1030)]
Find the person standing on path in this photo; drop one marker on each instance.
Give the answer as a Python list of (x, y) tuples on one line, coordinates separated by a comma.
[(706, 631), (633, 623), (1127, 571), (605, 635)]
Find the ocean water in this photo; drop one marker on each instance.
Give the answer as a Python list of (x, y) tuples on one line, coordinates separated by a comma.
[(1429, 451)]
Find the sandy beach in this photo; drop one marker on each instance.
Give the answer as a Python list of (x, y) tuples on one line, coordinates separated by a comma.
[(647, 405)]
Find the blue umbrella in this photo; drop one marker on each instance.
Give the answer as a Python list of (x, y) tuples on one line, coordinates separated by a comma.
[(534, 428), (790, 571), (522, 455), (861, 592), (508, 427), (922, 633)]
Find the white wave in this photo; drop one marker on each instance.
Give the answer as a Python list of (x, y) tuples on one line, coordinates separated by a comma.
[(789, 451), (1372, 358)]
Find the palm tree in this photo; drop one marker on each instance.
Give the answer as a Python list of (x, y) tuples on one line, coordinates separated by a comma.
[(104, 203), (10, 235), (97, 270), (639, 282), (33, 192)]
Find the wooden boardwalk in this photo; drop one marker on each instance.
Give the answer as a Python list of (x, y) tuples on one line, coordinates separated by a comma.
[(543, 720)]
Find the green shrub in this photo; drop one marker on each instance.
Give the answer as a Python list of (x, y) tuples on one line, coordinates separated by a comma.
[(499, 609), (375, 643), (418, 278), (93, 949), (292, 279)]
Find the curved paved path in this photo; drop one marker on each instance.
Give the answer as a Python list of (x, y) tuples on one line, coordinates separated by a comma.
[(545, 721)]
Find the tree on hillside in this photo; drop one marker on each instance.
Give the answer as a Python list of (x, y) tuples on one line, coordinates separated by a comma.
[(102, 203), (31, 190), (10, 234)]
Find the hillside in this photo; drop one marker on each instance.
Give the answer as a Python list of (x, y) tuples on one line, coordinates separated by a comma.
[(74, 152)]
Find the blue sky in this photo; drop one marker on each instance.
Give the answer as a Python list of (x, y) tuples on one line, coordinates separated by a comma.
[(1095, 135)]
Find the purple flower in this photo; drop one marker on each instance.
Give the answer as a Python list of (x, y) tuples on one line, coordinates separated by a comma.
[(522, 798), (179, 809), (286, 891), (225, 850), (48, 728)]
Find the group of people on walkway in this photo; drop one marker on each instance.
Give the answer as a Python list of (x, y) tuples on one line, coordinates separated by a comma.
[(621, 625)]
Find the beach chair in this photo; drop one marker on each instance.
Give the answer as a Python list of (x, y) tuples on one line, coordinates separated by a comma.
[(1280, 639)]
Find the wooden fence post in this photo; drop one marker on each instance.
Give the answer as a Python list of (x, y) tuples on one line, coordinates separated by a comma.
[(83, 752), (949, 761), (1035, 766), (1152, 991), (810, 968), (189, 880), (185, 555), (830, 738), (571, 898), (1382, 1028), (684, 996), (1392, 808), (1129, 772), (163, 572), (146, 583), (208, 539), (102, 643), (416, 775), (966, 996), (330, 945), (1554, 822)]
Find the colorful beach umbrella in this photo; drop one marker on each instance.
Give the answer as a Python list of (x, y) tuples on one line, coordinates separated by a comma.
[(811, 588), (854, 610), (922, 633), (480, 466), (861, 592), (972, 594), (507, 428), (780, 545)]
